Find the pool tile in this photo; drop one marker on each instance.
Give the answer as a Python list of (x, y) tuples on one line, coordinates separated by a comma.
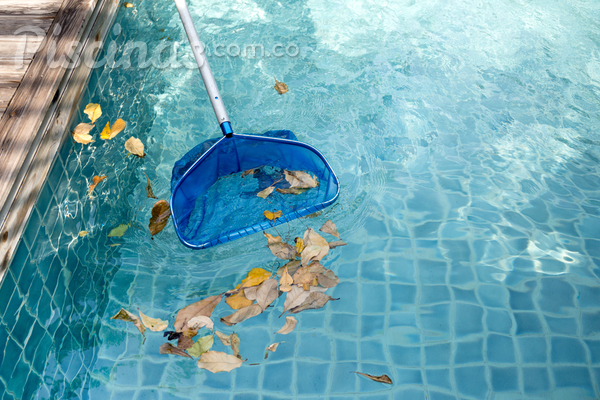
[(313, 379), (493, 295), (504, 379), (470, 381), (402, 295), (343, 378), (316, 346), (372, 325), (405, 356), (499, 321), (23, 326), (373, 300), (439, 378), (577, 377), (468, 320), (567, 350), (535, 380), (372, 350), (410, 394), (500, 349), (438, 354), (373, 270), (408, 376), (461, 274), (440, 396), (469, 352), (346, 350), (528, 323), (431, 294), (402, 270), (16, 383)]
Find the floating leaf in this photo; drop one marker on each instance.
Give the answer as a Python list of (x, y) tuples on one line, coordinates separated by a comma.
[(380, 378), (249, 172), (154, 324), (256, 276), (267, 293), (216, 361), (234, 339), (292, 267), (117, 128), (272, 347), (225, 339), (118, 231), (329, 227), (272, 239), (184, 342), (160, 216), (294, 298), (238, 300), (280, 87), (292, 190), (299, 245), (105, 134), (283, 251), (290, 324), (95, 181), (135, 147), (125, 315), (266, 192), (200, 321), (127, 5), (251, 292), (83, 233), (203, 307), (242, 315), (271, 215), (307, 276), (168, 348), (286, 281), (314, 301), (81, 133), (93, 111), (201, 346), (300, 179), (149, 192), (327, 279), (316, 247), (333, 245), (172, 335)]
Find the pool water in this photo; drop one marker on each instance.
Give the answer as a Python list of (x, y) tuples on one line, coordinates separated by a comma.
[(465, 138)]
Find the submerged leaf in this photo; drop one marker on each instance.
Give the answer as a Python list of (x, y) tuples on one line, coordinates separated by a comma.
[(149, 192), (300, 179), (216, 361), (314, 301), (266, 293), (127, 5), (249, 172), (83, 233), (203, 307), (168, 348), (283, 251), (234, 339), (81, 133), (201, 346), (292, 267), (125, 315), (118, 231), (242, 315), (271, 215), (294, 298), (238, 300), (338, 243), (380, 378), (200, 321), (299, 245), (95, 181), (292, 190), (286, 281), (160, 216), (184, 342), (172, 335), (290, 324), (316, 247), (105, 134), (154, 324), (272, 347), (329, 227), (93, 111), (266, 192), (272, 239), (327, 279), (225, 339), (135, 147), (280, 87), (117, 128)]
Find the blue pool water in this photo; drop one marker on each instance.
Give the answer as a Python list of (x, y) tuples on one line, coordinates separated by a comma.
[(465, 138)]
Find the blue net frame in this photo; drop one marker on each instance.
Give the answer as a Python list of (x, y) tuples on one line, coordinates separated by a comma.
[(215, 201)]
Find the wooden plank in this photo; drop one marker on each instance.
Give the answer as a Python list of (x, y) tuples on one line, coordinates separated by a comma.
[(9, 24), (19, 47), (12, 76), (39, 8)]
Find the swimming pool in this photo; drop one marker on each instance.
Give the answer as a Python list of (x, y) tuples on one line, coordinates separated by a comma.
[(464, 136)]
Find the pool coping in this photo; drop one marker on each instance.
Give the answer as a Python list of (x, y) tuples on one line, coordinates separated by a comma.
[(36, 121)]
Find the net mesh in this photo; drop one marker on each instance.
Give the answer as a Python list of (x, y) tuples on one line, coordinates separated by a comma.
[(213, 201)]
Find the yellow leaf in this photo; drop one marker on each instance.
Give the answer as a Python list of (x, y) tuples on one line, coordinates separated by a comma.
[(201, 346), (81, 133), (238, 300), (117, 128), (95, 181), (118, 231), (125, 315), (161, 211), (83, 233), (256, 276), (135, 147), (299, 245), (105, 134), (154, 324), (127, 5), (271, 215), (93, 111)]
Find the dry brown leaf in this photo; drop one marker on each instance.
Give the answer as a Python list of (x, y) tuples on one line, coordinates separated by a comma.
[(266, 293), (272, 348), (294, 298), (290, 324), (251, 292), (125, 315), (135, 147), (249, 172), (314, 301), (280, 87), (329, 227), (216, 361), (225, 339), (283, 250), (160, 216), (203, 307), (93, 111), (81, 133), (238, 300), (272, 239), (328, 279), (292, 190), (242, 315), (266, 192), (199, 322), (338, 243), (168, 348), (95, 181), (149, 192), (292, 267), (184, 342), (286, 281), (234, 339), (380, 378), (316, 247), (300, 179), (154, 324), (271, 215)]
